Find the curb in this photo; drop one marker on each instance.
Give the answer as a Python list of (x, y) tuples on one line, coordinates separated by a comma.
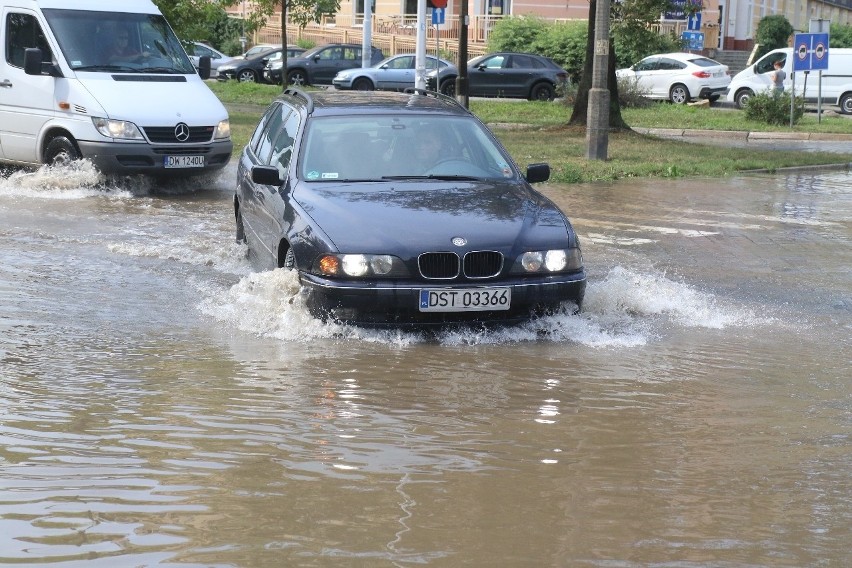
[(744, 135)]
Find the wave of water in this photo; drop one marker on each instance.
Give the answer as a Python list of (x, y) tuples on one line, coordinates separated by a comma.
[(81, 180), (624, 309)]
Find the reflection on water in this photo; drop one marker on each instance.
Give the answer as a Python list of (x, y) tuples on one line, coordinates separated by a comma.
[(162, 405)]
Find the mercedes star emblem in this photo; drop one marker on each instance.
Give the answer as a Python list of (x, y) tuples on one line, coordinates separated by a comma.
[(182, 132)]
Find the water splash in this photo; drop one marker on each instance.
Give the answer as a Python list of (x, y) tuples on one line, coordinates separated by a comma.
[(624, 309)]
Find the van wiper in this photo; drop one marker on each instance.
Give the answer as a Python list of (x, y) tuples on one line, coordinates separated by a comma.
[(109, 68), (164, 70)]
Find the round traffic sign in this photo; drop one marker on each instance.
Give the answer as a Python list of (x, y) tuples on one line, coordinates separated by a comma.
[(820, 50), (802, 51)]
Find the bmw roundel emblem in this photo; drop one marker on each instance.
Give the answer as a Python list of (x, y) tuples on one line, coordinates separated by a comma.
[(459, 241), (182, 132)]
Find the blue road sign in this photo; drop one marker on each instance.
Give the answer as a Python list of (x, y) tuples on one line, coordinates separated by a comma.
[(438, 16), (693, 23), (810, 52), (693, 40)]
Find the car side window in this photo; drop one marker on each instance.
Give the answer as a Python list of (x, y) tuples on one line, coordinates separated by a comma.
[(495, 62), (406, 62), (265, 147), (261, 126), (647, 65), (22, 32), (283, 148), (331, 53), (351, 53), (521, 62), (671, 65)]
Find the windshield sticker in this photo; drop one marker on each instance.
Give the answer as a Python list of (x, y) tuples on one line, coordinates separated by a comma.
[(330, 175)]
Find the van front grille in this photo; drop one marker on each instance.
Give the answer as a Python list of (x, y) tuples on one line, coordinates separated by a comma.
[(167, 135)]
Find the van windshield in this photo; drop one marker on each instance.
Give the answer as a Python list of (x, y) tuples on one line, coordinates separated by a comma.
[(118, 42)]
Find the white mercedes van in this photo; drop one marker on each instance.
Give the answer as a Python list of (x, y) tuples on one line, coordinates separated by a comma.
[(105, 80), (836, 80)]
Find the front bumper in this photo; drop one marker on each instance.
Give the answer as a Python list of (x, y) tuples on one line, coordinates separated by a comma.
[(396, 303), (133, 158), (342, 84)]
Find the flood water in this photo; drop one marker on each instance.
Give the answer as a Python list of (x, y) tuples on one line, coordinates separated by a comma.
[(163, 405)]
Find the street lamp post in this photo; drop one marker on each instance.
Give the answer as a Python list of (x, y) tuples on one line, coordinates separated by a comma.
[(597, 115)]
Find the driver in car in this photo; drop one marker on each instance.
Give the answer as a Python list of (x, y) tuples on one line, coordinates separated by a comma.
[(122, 50)]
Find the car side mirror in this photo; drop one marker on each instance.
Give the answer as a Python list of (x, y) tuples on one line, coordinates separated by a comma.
[(204, 66), (35, 65), (265, 175), (538, 172)]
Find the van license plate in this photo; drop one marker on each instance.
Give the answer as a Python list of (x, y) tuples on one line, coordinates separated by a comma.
[(183, 161), (465, 299)]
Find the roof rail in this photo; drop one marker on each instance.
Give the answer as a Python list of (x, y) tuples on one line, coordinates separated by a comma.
[(437, 95), (296, 92)]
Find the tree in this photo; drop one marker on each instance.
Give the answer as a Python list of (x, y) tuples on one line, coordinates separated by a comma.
[(194, 20), (581, 103), (772, 32), (631, 20), (301, 12)]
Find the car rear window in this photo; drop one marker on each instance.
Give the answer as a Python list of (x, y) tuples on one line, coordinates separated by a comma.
[(704, 62)]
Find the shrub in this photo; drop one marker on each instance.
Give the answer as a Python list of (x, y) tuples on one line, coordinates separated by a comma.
[(515, 34), (631, 94), (773, 32), (565, 43), (773, 108), (840, 36)]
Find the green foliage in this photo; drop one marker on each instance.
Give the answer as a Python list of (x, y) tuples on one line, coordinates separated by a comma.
[(773, 32), (565, 43), (773, 108), (840, 36), (516, 34), (632, 33)]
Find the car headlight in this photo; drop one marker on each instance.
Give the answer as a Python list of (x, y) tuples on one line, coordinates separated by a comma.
[(120, 129), (223, 130), (359, 265), (226, 68), (343, 75), (549, 261)]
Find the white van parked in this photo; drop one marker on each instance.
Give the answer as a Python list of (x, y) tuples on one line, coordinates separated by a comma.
[(105, 80), (836, 80)]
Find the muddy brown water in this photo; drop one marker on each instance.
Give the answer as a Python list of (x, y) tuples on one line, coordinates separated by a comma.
[(163, 405)]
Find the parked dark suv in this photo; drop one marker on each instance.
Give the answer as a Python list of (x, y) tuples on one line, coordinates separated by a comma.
[(402, 210), (319, 65)]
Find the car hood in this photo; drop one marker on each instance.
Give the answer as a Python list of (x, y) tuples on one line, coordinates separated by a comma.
[(410, 218)]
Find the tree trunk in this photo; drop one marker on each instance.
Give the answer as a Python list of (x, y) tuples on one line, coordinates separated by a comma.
[(283, 45), (581, 104)]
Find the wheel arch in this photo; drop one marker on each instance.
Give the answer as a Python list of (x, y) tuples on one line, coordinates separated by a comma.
[(53, 132)]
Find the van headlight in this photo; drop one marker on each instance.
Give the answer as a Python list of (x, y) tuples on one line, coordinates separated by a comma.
[(223, 130), (120, 129)]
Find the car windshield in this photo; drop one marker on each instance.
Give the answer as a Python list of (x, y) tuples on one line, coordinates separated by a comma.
[(381, 147), (118, 42)]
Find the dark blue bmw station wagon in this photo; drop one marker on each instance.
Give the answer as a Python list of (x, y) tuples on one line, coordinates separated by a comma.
[(402, 209)]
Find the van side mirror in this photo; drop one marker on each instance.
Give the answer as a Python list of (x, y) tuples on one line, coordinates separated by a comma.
[(35, 65), (204, 66), (538, 172)]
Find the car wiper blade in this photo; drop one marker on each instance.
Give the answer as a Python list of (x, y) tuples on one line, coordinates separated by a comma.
[(438, 177)]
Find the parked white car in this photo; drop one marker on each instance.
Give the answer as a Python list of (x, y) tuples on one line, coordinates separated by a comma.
[(393, 73), (679, 77), (217, 58)]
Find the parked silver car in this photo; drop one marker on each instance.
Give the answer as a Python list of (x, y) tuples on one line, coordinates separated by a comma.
[(393, 73)]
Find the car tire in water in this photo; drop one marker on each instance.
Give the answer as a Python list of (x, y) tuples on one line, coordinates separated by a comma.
[(289, 260), (241, 230), (297, 78), (363, 84), (542, 92), (60, 151), (679, 94), (742, 97)]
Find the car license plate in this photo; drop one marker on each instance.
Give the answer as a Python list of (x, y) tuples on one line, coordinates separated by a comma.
[(183, 161), (465, 299)]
